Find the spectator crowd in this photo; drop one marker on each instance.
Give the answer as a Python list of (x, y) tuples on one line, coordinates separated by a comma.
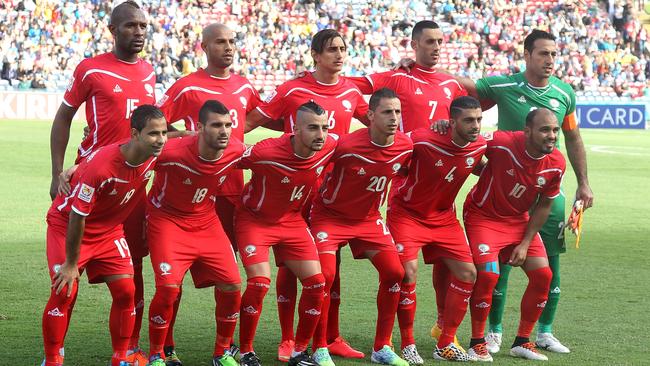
[(602, 44)]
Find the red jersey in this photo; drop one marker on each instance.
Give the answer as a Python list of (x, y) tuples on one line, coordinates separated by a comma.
[(438, 169), (512, 179), (281, 180), (105, 190), (185, 184), (112, 89), (362, 171), (187, 95), (341, 101), (425, 94)]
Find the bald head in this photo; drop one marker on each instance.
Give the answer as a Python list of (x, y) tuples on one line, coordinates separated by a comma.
[(540, 114), (218, 43), (214, 30)]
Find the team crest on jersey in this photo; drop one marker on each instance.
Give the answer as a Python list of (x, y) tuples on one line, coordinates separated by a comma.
[(319, 170), (522, 99), (361, 172), (187, 181), (540, 181), (243, 101), (396, 167), (285, 180), (469, 161), (162, 100), (149, 89), (250, 250), (117, 89), (418, 91), (322, 236), (484, 249), (439, 162), (447, 92), (86, 193), (399, 247), (554, 103), (165, 268), (222, 179), (347, 105)]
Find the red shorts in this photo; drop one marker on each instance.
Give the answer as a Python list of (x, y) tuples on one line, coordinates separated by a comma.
[(290, 240), (333, 233), (175, 249), (492, 240), (440, 238), (100, 256), (225, 206), (135, 229)]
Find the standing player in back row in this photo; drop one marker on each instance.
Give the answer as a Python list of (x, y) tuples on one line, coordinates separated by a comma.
[(111, 85), (422, 215), (347, 210), (516, 95), (85, 232), (341, 100)]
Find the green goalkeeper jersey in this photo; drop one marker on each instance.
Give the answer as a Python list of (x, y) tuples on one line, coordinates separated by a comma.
[(515, 98)]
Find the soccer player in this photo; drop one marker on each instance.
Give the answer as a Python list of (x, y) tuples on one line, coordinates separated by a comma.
[(347, 210), (422, 215), (341, 100), (523, 173), (185, 232), (111, 85), (85, 232), (182, 102), (426, 96), (284, 171), (516, 95)]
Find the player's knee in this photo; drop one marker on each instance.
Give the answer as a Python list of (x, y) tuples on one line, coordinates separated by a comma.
[(228, 287), (122, 291), (540, 278), (410, 273), (467, 274), (258, 284), (392, 274), (488, 279), (62, 300), (166, 295)]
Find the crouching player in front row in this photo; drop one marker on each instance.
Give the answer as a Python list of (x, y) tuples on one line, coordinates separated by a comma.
[(523, 173)]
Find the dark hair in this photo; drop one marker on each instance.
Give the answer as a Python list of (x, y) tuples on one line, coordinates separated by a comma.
[(376, 97), (530, 117), (311, 107), (320, 39), (116, 14), (422, 25), (529, 41), (465, 102), (211, 106), (143, 114)]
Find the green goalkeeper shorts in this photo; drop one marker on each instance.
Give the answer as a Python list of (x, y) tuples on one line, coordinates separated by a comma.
[(552, 232)]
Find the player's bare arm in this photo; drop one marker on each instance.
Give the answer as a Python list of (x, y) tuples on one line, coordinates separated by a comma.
[(59, 137), (255, 119), (538, 217), (64, 180), (576, 152), (69, 273)]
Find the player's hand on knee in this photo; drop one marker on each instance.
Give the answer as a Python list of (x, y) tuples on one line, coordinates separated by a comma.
[(585, 194), (440, 126), (405, 64), (518, 256), (66, 276)]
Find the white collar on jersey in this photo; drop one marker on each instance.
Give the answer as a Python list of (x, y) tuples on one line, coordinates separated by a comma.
[(534, 158)]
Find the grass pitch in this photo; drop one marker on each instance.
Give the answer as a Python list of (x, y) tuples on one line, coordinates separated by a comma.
[(604, 284)]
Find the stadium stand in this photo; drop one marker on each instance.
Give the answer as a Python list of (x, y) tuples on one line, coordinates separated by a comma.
[(603, 45)]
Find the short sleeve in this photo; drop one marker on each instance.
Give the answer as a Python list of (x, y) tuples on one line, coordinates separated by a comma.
[(170, 108), (87, 190), (254, 101), (485, 86), (274, 106), (364, 83), (78, 88), (361, 109)]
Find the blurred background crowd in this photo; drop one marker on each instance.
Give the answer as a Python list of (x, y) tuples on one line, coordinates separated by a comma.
[(602, 44)]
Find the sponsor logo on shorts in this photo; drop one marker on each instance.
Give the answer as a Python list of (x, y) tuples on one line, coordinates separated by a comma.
[(322, 236), (56, 268), (86, 193), (394, 288), (165, 268), (542, 304), (407, 301), (556, 290), (312, 312), (250, 309), (483, 305), (55, 312), (159, 320), (347, 105), (282, 299), (469, 161), (484, 249), (250, 250), (399, 247)]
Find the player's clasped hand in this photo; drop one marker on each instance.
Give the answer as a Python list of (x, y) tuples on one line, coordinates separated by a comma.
[(440, 126), (66, 276), (585, 194), (518, 256)]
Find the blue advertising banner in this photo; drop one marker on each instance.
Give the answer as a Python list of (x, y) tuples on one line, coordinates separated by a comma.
[(611, 115)]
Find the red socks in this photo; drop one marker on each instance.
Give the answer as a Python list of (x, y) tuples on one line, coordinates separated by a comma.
[(441, 278), (138, 301), (328, 266), (122, 315), (251, 309), (55, 321), (161, 313), (481, 301), (226, 314), (534, 299), (334, 305), (456, 300), (309, 309), (391, 274), (287, 289), (169, 340), (406, 313)]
